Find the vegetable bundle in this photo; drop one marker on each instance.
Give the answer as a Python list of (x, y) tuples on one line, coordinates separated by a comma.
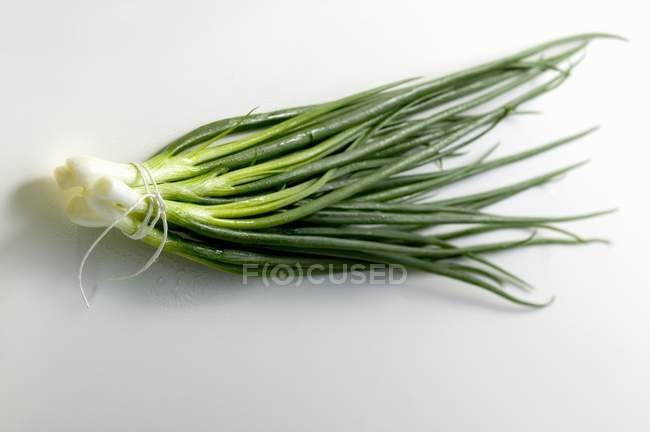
[(332, 183)]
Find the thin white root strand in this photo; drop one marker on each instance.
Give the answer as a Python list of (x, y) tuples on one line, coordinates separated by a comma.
[(145, 228)]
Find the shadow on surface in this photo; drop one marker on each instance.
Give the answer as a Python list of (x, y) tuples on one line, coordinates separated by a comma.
[(46, 245)]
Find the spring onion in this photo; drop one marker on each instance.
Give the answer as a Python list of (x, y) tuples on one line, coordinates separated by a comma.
[(331, 183)]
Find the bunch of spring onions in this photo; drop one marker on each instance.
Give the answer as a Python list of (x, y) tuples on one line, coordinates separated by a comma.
[(332, 183)]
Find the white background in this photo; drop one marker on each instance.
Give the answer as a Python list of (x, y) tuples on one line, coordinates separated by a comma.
[(184, 348)]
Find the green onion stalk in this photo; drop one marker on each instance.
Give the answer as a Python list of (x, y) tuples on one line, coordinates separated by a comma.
[(331, 184)]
